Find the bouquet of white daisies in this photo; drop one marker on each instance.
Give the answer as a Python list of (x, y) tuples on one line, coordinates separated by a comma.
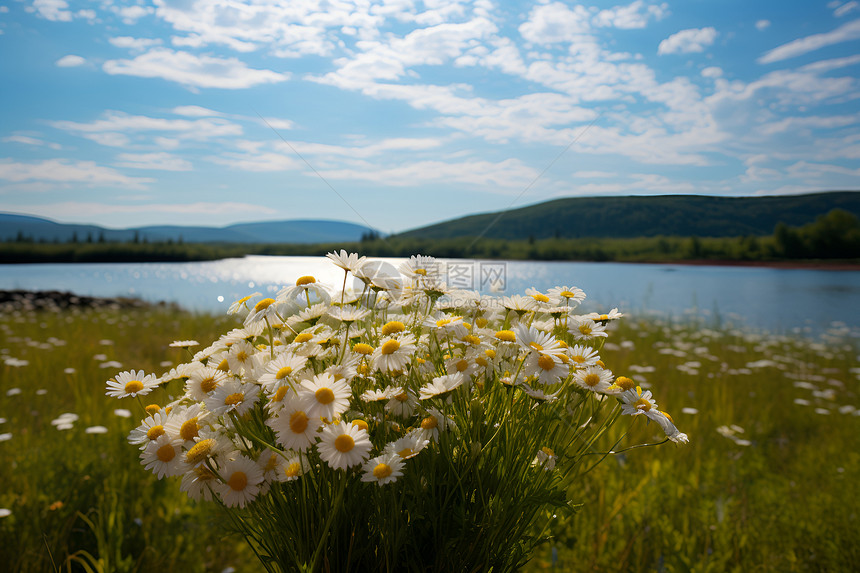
[(398, 426)]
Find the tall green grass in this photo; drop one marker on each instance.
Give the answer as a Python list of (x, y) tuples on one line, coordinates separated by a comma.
[(776, 495)]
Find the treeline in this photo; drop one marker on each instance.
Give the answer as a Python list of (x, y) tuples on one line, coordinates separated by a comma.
[(834, 236)]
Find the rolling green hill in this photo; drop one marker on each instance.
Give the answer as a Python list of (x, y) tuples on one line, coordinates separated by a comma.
[(645, 216)]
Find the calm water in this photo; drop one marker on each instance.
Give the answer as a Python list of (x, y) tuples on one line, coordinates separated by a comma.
[(772, 299)]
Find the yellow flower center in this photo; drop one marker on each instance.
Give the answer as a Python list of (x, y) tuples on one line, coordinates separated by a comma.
[(233, 399), (208, 384), (429, 423), (540, 297), (324, 396), (462, 365), (642, 404), (585, 329), (481, 322), (188, 430), (625, 383), (305, 280), (471, 339), (548, 451), (293, 470), (422, 272), (591, 379), (382, 471), (344, 443), (392, 327), (536, 346), (224, 366), (490, 353), (506, 336), (443, 322), (298, 422), (263, 304), (154, 432), (546, 362), (362, 348), (406, 453), (579, 358), (567, 294), (200, 451), (361, 424), (281, 393), (166, 453), (364, 369), (283, 372), (402, 397), (152, 409), (390, 347), (272, 463), (241, 356), (133, 386), (238, 481), (481, 361), (304, 337)]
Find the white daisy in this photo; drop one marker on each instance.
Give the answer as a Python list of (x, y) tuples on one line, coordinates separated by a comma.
[(409, 445), (593, 378), (393, 354), (441, 386), (150, 429), (402, 403), (242, 478), (293, 467), (582, 356), (604, 318), (433, 423), (324, 397), (197, 483), (232, 396), (586, 329), (203, 381), (636, 402), (294, 428), (343, 445), (348, 262), (383, 469), (131, 383), (163, 457), (568, 296), (285, 368)]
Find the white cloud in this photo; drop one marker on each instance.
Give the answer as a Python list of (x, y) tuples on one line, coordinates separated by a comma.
[(693, 40), (27, 140), (131, 43), (762, 24), (66, 172), (155, 161), (634, 15), (844, 33), (131, 14), (70, 61), (276, 123), (712, 72), (509, 174), (79, 209), (193, 71), (53, 10), (554, 23), (195, 111), (114, 128), (845, 9)]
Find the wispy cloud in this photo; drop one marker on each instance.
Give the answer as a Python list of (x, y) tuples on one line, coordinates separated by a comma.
[(156, 161), (844, 33), (193, 71), (67, 172)]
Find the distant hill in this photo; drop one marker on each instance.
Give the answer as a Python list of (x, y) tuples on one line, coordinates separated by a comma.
[(290, 231), (646, 216)]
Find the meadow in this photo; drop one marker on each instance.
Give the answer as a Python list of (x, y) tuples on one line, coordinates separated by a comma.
[(766, 483)]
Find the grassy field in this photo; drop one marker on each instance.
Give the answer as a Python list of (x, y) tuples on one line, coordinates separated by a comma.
[(765, 485)]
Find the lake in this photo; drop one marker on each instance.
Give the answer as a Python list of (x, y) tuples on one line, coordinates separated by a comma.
[(778, 300)]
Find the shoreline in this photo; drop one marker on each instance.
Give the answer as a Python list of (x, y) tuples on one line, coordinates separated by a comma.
[(787, 265)]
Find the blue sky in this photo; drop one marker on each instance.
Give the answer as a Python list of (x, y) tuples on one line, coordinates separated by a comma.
[(401, 113)]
